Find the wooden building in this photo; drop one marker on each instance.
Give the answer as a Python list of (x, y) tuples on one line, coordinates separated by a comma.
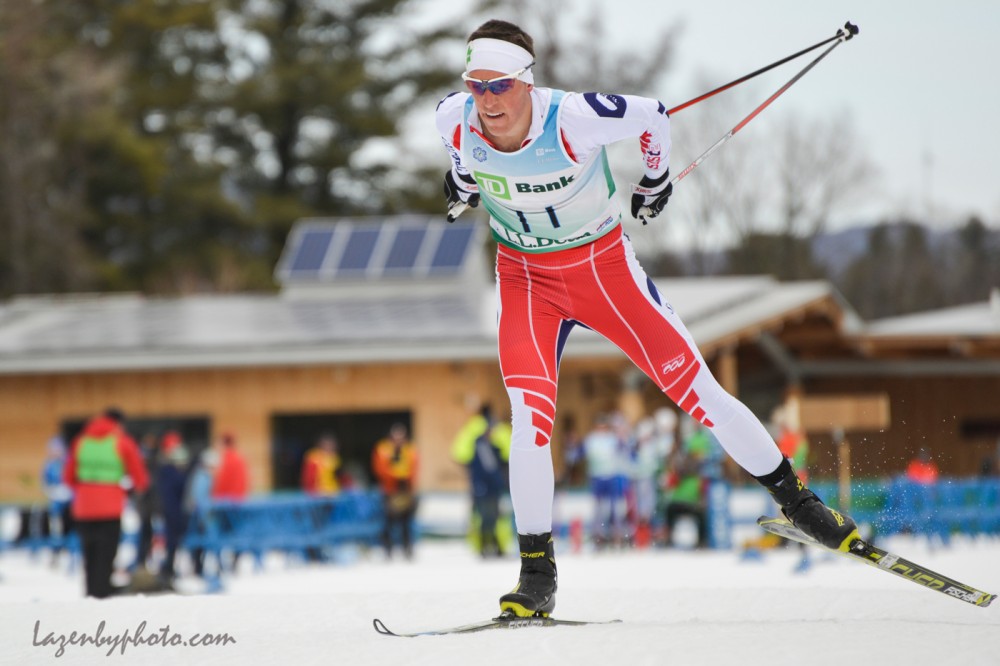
[(395, 322)]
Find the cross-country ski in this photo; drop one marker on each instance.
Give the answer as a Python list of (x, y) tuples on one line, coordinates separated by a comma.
[(859, 549), (504, 621)]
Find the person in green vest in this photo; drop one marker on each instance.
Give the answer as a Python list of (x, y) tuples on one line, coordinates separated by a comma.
[(687, 482), (103, 466), (483, 446)]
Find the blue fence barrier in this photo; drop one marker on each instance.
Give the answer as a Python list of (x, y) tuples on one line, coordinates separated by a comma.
[(29, 527), (299, 523), (292, 523), (289, 523)]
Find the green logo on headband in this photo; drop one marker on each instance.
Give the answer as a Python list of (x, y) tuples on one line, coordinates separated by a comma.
[(468, 55)]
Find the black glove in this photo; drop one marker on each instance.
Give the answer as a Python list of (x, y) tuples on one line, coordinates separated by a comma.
[(650, 196), (460, 192)]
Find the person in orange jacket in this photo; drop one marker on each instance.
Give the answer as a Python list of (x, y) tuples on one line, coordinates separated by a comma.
[(232, 479), (794, 445), (394, 462), (104, 464), (319, 468)]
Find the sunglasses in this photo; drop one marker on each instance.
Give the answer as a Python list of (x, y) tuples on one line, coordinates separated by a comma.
[(497, 86)]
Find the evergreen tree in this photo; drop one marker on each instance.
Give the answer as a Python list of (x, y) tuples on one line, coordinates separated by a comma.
[(899, 274), (919, 280), (783, 255), (312, 83), (867, 281), (168, 146), (974, 266)]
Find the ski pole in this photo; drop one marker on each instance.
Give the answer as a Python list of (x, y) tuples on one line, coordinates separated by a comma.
[(751, 75), (844, 34)]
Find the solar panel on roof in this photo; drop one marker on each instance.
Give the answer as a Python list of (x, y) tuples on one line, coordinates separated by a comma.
[(452, 249), (405, 248), (359, 249), (311, 250)]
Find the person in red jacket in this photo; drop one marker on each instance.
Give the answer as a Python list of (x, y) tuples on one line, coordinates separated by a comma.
[(232, 480), (104, 465), (922, 469)]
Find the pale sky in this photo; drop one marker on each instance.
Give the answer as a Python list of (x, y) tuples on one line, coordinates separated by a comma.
[(921, 81)]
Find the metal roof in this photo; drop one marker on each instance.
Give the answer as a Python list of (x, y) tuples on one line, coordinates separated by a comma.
[(397, 323), (976, 319)]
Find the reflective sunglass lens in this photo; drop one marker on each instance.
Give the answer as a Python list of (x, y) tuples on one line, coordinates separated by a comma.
[(497, 87), (501, 86)]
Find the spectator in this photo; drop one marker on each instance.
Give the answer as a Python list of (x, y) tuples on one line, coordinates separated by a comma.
[(603, 449), (147, 504), (198, 500), (394, 462), (104, 463), (57, 493), (171, 480), (574, 472), (320, 467), (664, 442), (232, 483), (666, 430), (922, 469), (232, 480), (792, 442), (687, 483), (647, 463), (483, 447), (319, 478), (990, 465)]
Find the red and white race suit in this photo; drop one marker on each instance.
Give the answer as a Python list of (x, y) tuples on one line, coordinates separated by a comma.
[(546, 287)]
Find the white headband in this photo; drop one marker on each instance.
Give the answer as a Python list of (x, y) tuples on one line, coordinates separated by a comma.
[(498, 56)]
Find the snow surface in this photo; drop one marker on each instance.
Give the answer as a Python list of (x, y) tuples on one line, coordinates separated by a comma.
[(678, 607)]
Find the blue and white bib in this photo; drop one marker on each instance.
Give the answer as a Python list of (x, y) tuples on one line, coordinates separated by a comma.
[(538, 198)]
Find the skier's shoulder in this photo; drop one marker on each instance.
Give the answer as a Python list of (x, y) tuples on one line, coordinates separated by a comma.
[(449, 111), (452, 103), (584, 106)]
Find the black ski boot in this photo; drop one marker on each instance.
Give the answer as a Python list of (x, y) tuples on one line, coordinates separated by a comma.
[(806, 511), (535, 592)]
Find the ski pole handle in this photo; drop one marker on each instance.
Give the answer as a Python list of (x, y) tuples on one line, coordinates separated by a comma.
[(849, 30), (849, 27), (455, 210)]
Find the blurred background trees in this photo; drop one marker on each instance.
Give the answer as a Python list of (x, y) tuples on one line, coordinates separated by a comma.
[(168, 147)]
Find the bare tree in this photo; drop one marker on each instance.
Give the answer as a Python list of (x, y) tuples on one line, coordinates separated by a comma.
[(720, 202), (821, 166), (771, 190)]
